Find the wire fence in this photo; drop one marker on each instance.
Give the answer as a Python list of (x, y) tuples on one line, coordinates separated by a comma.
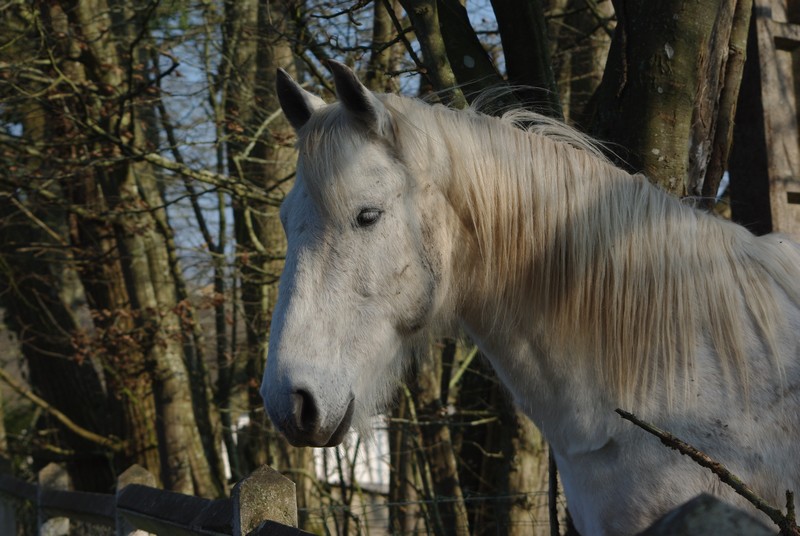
[(371, 513)]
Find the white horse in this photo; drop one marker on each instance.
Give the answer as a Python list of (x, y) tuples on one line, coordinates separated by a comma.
[(587, 288)]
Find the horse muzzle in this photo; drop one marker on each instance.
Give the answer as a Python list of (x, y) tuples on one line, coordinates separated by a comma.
[(305, 424)]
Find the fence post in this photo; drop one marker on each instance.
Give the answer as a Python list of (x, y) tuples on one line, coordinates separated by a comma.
[(135, 474), (55, 477), (263, 495)]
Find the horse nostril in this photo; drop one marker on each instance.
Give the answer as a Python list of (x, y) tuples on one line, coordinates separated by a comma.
[(305, 410)]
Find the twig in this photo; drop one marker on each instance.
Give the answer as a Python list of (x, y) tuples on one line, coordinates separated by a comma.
[(229, 184), (463, 367), (401, 34), (112, 443), (785, 522)]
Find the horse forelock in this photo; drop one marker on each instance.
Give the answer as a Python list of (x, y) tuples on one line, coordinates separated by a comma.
[(324, 143), (610, 266)]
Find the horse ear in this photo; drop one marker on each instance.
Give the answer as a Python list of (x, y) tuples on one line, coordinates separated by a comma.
[(297, 103), (359, 101)]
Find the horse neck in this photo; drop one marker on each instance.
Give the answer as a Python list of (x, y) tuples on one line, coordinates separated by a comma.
[(590, 289), (553, 232)]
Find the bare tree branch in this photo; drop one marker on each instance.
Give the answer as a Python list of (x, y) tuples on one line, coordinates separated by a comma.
[(111, 443), (785, 522)]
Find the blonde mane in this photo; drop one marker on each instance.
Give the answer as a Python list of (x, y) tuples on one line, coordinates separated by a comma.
[(609, 265)]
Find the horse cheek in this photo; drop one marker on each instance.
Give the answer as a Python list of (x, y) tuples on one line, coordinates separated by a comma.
[(414, 305), (417, 286)]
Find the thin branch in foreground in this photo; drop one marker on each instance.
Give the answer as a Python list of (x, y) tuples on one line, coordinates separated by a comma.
[(785, 522)]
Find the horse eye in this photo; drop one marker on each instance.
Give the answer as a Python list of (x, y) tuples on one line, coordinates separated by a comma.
[(368, 216)]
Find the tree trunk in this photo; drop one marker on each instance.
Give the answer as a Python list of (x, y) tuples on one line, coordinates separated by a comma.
[(722, 139), (525, 47), (404, 481), (580, 52), (472, 66), (450, 516), (257, 43), (662, 85), (383, 56), (527, 472), (437, 69)]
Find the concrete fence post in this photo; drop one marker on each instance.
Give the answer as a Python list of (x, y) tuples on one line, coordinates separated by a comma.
[(135, 474), (263, 495), (51, 477)]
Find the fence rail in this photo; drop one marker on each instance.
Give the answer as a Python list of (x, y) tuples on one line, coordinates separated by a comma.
[(262, 503)]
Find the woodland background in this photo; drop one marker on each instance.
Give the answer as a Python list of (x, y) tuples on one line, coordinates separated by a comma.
[(143, 158)]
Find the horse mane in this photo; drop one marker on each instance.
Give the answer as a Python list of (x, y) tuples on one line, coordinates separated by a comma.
[(610, 265)]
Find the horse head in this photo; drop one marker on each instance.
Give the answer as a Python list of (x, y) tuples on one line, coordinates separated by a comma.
[(363, 275)]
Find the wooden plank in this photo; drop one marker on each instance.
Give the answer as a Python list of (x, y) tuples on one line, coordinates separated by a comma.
[(273, 528), (785, 35), (95, 508), (161, 527), (780, 113), (216, 518), (8, 517), (158, 511), (12, 491), (17, 489), (172, 514)]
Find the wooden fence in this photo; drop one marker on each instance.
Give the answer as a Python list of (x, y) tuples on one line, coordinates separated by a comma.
[(262, 503)]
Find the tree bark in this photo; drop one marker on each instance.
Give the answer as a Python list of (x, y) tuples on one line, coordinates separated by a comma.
[(437, 445), (661, 88), (383, 55), (526, 51), (472, 66), (437, 69), (581, 48), (728, 100)]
